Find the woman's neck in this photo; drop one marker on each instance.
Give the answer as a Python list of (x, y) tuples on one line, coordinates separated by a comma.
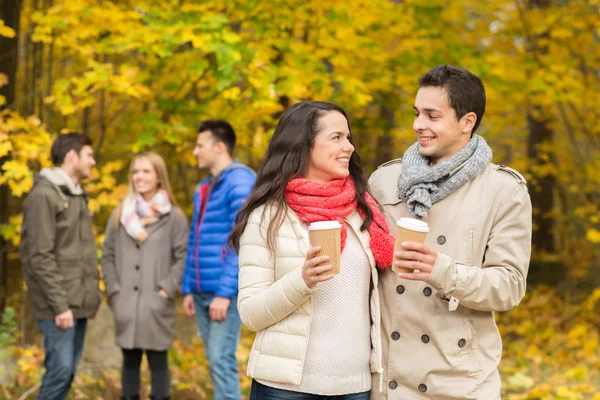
[(148, 196)]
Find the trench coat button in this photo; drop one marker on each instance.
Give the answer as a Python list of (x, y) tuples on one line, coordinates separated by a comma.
[(425, 339), (395, 335), (427, 291), (441, 239), (462, 343), (393, 385), (137, 267), (399, 289), (422, 388), (135, 288)]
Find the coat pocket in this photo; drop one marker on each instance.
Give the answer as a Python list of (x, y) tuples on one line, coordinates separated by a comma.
[(164, 311), (161, 304), (120, 313), (459, 346), (73, 282), (462, 375)]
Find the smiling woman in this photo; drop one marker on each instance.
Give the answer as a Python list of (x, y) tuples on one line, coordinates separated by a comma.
[(311, 343), (330, 156), (144, 178), (142, 260)]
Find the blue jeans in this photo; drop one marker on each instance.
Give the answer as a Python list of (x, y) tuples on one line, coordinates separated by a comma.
[(63, 352), (220, 339), (263, 392)]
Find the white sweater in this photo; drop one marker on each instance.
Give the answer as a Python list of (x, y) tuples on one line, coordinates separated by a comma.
[(339, 345)]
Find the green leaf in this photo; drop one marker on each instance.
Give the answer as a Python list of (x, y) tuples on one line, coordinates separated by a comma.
[(147, 139)]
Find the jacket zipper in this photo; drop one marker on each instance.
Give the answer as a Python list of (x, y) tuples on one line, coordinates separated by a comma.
[(205, 192)]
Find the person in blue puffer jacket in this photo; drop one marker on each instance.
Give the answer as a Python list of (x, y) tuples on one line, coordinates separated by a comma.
[(210, 280)]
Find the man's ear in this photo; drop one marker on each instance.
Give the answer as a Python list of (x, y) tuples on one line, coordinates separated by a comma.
[(468, 122), (70, 157), (221, 147)]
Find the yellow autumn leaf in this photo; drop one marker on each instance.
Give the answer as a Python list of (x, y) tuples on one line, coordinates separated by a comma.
[(579, 373), (578, 332), (5, 148), (6, 31), (18, 188), (14, 169), (561, 33), (566, 392), (593, 235)]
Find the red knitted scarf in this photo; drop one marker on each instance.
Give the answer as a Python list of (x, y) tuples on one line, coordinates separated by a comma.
[(336, 200)]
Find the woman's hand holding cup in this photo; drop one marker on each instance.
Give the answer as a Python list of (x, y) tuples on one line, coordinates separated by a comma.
[(312, 270)]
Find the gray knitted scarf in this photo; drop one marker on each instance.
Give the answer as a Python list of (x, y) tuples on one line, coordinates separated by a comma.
[(421, 185)]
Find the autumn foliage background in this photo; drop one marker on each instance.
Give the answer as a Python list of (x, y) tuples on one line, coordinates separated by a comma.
[(138, 75)]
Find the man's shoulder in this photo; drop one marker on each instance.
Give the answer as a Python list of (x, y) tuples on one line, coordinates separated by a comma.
[(505, 176), (391, 169), (43, 190), (240, 175), (383, 182), (396, 161)]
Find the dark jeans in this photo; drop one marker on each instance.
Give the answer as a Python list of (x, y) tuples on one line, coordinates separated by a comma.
[(263, 392), (63, 352), (159, 373)]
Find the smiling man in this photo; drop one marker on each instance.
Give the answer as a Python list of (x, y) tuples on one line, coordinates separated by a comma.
[(440, 340)]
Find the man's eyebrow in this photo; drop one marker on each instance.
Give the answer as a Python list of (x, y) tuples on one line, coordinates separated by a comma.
[(428, 109)]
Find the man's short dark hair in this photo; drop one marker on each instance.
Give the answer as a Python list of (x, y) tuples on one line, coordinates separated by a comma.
[(221, 131), (65, 143), (465, 90)]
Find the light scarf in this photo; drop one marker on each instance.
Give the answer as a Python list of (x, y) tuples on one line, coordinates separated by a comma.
[(422, 185), (138, 213)]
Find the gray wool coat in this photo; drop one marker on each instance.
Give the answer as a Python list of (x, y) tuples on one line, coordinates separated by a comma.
[(133, 275)]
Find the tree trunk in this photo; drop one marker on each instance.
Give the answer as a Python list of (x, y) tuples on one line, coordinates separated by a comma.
[(10, 12), (385, 145), (542, 190)]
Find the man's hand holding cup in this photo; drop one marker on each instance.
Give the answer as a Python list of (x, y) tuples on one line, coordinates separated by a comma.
[(415, 256), (412, 259)]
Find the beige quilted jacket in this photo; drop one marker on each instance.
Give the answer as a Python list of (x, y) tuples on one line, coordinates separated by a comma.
[(275, 301)]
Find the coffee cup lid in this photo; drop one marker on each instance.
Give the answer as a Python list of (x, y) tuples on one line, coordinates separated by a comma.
[(413, 224), (323, 225)]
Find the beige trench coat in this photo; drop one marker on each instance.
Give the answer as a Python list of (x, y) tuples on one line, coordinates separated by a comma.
[(440, 339), (133, 275)]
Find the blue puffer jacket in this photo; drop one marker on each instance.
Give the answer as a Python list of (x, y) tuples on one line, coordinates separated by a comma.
[(210, 266)]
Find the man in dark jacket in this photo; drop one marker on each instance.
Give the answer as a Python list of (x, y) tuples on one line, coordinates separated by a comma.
[(59, 261), (210, 280)]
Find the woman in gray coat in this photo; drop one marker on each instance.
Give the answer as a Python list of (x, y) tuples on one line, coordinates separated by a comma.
[(143, 260)]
